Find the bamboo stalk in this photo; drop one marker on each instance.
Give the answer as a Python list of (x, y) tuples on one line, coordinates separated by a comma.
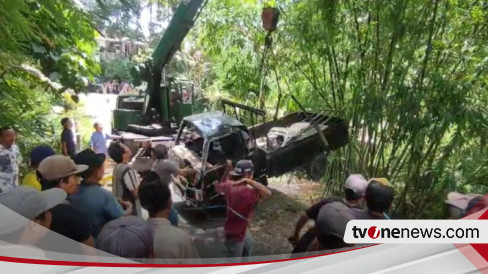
[(428, 49)]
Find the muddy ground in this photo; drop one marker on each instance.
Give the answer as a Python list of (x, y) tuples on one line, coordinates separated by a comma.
[(274, 221), (276, 217)]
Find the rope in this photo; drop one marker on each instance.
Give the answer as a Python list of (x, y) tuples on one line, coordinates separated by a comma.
[(200, 10), (300, 106), (263, 66), (239, 215), (280, 94)]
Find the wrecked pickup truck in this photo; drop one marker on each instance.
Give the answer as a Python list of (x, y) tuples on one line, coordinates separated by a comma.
[(205, 141)]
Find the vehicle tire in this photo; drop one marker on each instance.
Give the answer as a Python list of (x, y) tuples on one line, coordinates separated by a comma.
[(317, 167)]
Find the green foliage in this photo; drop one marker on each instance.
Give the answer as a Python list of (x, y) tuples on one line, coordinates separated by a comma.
[(55, 33), (409, 76), (121, 18), (235, 47), (14, 105), (27, 107), (47, 47), (116, 18), (66, 52), (118, 69), (16, 28), (270, 4)]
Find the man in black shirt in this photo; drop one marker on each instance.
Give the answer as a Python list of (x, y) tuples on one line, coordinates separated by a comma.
[(354, 189), (68, 141)]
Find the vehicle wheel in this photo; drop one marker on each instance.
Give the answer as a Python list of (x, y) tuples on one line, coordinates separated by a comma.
[(317, 167)]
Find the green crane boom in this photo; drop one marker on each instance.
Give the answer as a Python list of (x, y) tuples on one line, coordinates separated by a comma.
[(179, 26), (133, 113), (157, 98)]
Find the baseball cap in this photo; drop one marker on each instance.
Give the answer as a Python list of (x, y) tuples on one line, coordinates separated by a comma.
[(242, 167), (89, 158), (40, 153), (23, 204), (127, 237), (332, 219), (356, 183), (59, 166), (379, 195)]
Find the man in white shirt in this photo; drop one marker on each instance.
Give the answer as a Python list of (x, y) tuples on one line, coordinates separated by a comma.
[(10, 159)]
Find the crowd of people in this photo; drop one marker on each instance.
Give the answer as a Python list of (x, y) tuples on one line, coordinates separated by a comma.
[(112, 87), (362, 199), (63, 193)]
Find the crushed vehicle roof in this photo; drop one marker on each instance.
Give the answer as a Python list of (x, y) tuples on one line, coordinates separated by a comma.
[(212, 124)]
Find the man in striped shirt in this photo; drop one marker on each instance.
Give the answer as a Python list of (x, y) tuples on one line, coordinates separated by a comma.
[(125, 180)]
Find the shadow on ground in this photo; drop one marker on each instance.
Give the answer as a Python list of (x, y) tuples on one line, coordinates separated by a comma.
[(201, 218), (272, 225)]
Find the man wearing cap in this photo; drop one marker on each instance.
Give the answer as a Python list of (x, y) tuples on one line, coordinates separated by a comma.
[(242, 194), (331, 226), (98, 204), (127, 237), (354, 190), (22, 213), (379, 199), (59, 171), (10, 159), (37, 154)]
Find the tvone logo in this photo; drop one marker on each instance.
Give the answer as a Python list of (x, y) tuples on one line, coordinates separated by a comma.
[(373, 232)]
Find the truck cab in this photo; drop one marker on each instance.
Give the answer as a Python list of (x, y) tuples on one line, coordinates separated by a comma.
[(204, 142)]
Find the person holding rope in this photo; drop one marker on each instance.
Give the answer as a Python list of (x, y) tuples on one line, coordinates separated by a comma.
[(242, 194), (167, 170), (354, 191)]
